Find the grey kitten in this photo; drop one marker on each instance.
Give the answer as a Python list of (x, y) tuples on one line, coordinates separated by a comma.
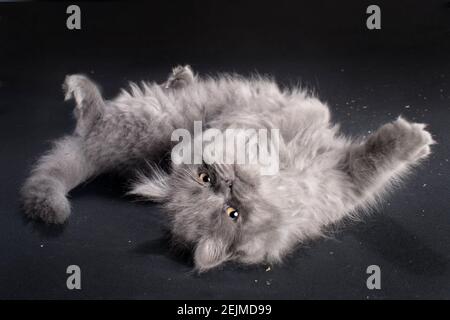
[(226, 212)]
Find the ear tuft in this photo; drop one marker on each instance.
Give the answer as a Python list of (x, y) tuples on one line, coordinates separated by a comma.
[(156, 188)]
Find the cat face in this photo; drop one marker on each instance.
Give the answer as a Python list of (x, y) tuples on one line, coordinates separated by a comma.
[(217, 209)]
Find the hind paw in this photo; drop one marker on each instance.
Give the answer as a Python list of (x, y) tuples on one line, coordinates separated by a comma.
[(49, 207), (82, 89)]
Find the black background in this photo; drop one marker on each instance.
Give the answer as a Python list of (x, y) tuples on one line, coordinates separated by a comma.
[(367, 78)]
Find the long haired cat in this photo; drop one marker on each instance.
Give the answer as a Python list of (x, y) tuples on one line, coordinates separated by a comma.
[(225, 211)]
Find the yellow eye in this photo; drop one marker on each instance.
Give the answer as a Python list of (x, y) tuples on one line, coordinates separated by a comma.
[(232, 213), (204, 178)]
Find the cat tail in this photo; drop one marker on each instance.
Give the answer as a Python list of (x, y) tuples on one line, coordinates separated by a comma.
[(65, 165)]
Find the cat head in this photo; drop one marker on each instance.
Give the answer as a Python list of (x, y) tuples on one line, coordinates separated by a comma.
[(217, 209)]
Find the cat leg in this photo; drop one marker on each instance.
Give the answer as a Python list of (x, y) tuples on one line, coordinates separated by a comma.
[(180, 77), (89, 102), (113, 136), (386, 155), (44, 194)]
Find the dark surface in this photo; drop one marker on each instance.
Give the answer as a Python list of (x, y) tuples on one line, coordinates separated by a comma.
[(367, 77)]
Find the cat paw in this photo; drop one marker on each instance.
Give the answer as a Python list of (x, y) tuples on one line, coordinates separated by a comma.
[(404, 140), (75, 86), (180, 77), (50, 207)]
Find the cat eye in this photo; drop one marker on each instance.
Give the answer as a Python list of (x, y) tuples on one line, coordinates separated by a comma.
[(204, 178), (232, 213)]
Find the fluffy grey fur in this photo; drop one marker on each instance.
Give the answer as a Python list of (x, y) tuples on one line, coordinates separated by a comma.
[(323, 175)]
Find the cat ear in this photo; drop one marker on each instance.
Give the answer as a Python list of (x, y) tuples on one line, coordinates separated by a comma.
[(209, 253), (154, 189)]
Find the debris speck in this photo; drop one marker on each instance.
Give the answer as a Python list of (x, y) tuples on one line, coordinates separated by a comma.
[(407, 107), (268, 269), (364, 107), (268, 282), (256, 280), (331, 252), (342, 69), (42, 245), (424, 185)]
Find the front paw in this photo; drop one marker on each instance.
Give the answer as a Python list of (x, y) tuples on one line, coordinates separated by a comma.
[(180, 77), (403, 140)]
